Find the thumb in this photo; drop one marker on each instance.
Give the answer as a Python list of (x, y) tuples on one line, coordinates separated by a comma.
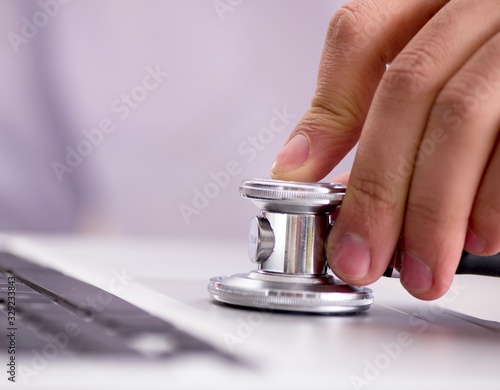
[(318, 143), (362, 38)]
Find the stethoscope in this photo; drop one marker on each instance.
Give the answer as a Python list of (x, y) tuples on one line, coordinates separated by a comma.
[(287, 243)]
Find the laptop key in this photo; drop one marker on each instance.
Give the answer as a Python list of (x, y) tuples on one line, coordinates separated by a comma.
[(58, 312)]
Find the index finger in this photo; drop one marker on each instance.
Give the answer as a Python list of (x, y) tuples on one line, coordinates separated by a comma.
[(370, 221), (362, 38)]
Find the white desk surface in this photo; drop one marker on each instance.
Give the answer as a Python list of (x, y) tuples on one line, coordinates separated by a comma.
[(399, 342)]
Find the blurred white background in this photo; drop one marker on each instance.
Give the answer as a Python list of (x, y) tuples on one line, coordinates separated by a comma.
[(69, 66)]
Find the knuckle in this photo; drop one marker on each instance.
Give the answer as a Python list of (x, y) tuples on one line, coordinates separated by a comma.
[(410, 74), (447, 114), (463, 83), (464, 94), (352, 25), (371, 192), (335, 112), (345, 23), (427, 213)]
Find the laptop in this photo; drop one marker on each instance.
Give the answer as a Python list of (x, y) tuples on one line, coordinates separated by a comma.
[(106, 313)]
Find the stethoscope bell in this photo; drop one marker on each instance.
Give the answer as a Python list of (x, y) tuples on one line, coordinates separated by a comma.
[(287, 242)]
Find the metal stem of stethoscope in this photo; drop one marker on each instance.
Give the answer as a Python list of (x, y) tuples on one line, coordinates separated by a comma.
[(286, 241)]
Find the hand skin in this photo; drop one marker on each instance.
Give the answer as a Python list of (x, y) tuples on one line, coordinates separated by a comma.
[(428, 162)]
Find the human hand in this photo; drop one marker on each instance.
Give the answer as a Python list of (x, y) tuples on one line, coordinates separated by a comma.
[(428, 160)]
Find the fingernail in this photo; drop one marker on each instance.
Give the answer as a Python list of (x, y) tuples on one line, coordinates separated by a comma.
[(415, 275), (292, 155), (351, 257), (474, 243)]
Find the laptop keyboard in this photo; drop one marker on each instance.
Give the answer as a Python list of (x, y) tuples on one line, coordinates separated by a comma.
[(53, 311)]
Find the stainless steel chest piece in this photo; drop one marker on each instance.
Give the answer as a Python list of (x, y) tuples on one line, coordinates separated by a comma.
[(287, 242)]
